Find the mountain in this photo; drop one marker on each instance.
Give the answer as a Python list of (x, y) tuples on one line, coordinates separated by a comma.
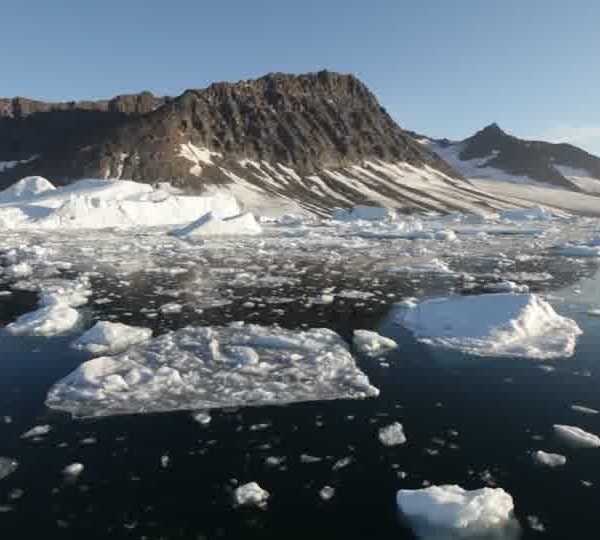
[(493, 154), (319, 140)]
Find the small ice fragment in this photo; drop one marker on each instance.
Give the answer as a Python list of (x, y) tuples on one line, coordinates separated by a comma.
[(342, 463), (37, 431), (172, 307), (576, 436), (372, 343), (535, 524), (164, 461), (324, 299), (326, 493), (251, 494), (7, 467), (392, 435), (307, 458), (202, 417), (584, 410), (549, 460), (73, 470), (275, 461)]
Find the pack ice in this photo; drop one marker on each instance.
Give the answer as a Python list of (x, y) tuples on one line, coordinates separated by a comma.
[(211, 367), (449, 511), (521, 325)]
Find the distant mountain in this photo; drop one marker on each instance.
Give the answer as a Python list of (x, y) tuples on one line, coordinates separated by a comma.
[(493, 154), (319, 140)]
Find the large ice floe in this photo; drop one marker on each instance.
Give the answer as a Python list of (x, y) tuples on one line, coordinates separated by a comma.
[(521, 325), (451, 512), (212, 367), (99, 204)]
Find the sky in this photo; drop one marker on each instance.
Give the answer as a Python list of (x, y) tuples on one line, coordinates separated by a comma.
[(441, 68)]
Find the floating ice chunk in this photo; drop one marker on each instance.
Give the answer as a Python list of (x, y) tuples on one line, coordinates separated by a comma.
[(371, 343), (506, 286), (204, 368), (73, 470), (577, 250), (171, 307), (250, 494), (326, 493), (19, 271), (535, 524), (520, 325), (7, 467), (594, 312), (47, 321), (445, 235), (324, 299), (449, 510), (392, 435), (37, 431), (550, 460), (110, 338), (203, 418), (584, 410), (576, 436), (211, 225)]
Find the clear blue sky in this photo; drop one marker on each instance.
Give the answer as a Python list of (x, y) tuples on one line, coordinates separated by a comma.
[(444, 68)]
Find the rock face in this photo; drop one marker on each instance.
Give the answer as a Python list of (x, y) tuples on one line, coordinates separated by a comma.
[(306, 122), (492, 153)]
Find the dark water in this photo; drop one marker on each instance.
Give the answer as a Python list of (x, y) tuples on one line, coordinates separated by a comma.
[(502, 409)]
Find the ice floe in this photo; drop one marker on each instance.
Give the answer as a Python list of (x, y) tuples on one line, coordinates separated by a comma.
[(212, 367), (392, 435), (522, 325), (449, 511), (51, 320), (575, 436), (371, 343), (73, 470), (110, 338), (250, 494), (37, 431), (549, 460)]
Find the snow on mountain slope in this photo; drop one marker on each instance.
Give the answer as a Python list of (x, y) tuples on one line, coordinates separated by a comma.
[(492, 154)]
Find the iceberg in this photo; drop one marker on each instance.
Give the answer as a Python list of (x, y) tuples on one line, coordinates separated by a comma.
[(521, 325), (110, 338), (449, 511), (200, 368)]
